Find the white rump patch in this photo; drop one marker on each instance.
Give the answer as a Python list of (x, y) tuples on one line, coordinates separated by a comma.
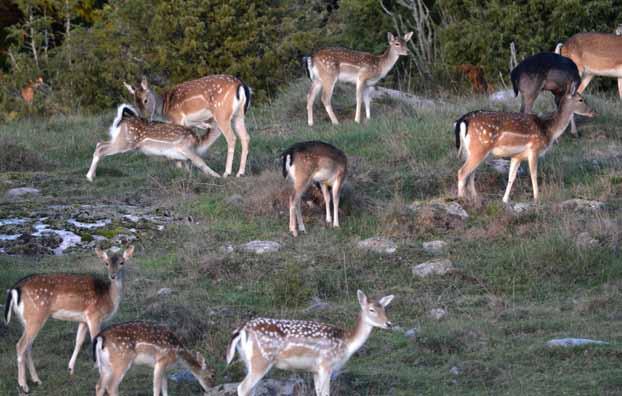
[(464, 140), (558, 48), (114, 128), (291, 169)]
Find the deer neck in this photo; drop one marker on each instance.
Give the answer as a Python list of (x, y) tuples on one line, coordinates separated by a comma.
[(387, 60), (556, 126), (159, 109), (358, 336), (116, 291), (188, 360)]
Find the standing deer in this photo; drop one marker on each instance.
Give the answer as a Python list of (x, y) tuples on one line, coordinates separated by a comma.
[(28, 91), (475, 75), (128, 132), (119, 346), (545, 71), (303, 345), (220, 98), (328, 66), (516, 135), (314, 162), (595, 54), (79, 298)]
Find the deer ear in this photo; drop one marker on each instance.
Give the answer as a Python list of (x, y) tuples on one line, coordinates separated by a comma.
[(129, 252), (573, 88), (390, 36), (101, 254), (362, 297), (408, 36), (386, 300), (129, 88), (144, 83)]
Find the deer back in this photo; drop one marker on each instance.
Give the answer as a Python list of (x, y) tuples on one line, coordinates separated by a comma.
[(599, 53), (137, 130)]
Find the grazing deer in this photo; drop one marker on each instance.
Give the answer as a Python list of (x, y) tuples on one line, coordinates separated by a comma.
[(595, 54), (318, 162), (302, 345), (516, 135), (28, 91), (475, 75), (545, 71), (118, 347), (328, 66), (79, 298), (129, 132), (220, 98)]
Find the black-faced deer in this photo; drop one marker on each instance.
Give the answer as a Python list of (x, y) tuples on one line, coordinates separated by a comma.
[(130, 132), (328, 66), (198, 103), (518, 136), (303, 345), (80, 298), (314, 162), (545, 71), (118, 347)]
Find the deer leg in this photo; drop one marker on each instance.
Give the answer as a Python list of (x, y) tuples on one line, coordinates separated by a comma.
[(24, 345), (158, 371), (240, 128), (164, 384), (323, 376), (316, 87), (336, 190), (367, 100), (326, 195), (295, 211), (360, 87), (97, 155), (584, 83), (224, 124), (469, 167), (254, 375), (198, 161), (31, 367), (105, 378), (471, 183), (620, 87), (533, 172), (327, 94), (118, 373), (80, 336), (514, 165)]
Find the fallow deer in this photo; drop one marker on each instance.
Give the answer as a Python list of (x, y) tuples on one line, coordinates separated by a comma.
[(516, 135), (80, 298), (475, 75), (314, 162), (28, 91), (329, 65), (118, 347), (545, 71), (595, 54), (128, 132), (303, 345), (220, 98)]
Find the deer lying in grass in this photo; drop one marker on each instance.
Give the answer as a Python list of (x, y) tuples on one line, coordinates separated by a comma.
[(79, 298), (314, 162), (119, 346), (129, 132), (516, 135), (302, 345), (328, 66)]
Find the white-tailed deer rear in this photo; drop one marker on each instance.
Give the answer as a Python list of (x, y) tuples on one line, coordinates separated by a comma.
[(79, 298), (314, 162), (129, 132), (302, 345), (197, 103), (330, 65), (118, 347), (516, 135)]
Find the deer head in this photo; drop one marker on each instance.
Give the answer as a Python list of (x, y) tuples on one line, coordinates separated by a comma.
[(145, 99), (373, 312), (115, 263), (398, 44)]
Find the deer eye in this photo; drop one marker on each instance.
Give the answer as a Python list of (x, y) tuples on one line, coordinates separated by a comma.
[(372, 310), (145, 101)]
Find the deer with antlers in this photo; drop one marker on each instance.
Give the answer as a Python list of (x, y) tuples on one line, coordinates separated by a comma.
[(80, 298), (329, 65), (221, 99), (303, 345), (518, 136), (314, 162), (118, 347), (129, 132)]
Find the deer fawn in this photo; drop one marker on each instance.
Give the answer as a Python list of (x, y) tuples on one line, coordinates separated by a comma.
[(129, 132), (330, 65), (318, 162), (79, 298), (118, 347), (28, 91), (516, 135), (220, 98), (303, 345)]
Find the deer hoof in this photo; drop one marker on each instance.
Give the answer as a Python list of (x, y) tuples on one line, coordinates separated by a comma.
[(23, 389), (240, 174)]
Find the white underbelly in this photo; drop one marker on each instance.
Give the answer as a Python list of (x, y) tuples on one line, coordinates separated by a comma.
[(75, 316), (296, 363), (507, 151), (615, 72), (198, 117), (169, 152), (347, 77), (145, 359), (323, 175)]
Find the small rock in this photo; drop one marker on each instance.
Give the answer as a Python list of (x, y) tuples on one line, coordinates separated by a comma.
[(227, 248), (411, 333), (316, 305), (293, 386), (585, 241), (235, 200), (434, 247), (182, 376), (165, 292), (579, 204), (451, 208), (434, 267), (521, 207), (261, 247), (505, 95), (571, 342), (378, 245), (438, 313), (16, 193), (455, 370)]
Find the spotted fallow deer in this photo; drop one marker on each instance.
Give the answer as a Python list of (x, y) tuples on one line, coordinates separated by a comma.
[(329, 65), (595, 54), (129, 132), (197, 103), (314, 162), (303, 345), (118, 347), (80, 298), (518, 136), (28, 91)]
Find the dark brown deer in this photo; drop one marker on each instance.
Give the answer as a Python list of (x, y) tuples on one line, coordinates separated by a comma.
[(475, 75)]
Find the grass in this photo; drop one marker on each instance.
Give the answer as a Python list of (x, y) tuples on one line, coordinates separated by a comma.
[(521, 280)]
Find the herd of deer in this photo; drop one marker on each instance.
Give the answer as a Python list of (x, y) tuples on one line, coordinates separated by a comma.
[(160, 125)]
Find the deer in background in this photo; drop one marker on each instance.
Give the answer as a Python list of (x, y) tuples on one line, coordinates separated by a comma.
[(118, 347), (28, 91), (197, 103), (79, 298), (128, 132), (328, 66), (545, 71), (303, 345), (475, 75), (314, 162), (516, 135)]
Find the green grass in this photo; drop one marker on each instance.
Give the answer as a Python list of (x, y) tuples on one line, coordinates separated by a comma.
[(521, 280)]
